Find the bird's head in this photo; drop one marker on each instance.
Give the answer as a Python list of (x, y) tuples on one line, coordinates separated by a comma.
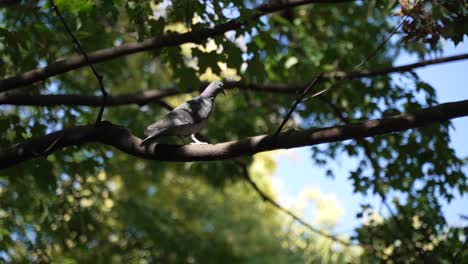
[(213, 89)]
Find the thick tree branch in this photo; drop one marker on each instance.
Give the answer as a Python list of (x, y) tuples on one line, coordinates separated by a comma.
[(7, 3), (122, 139), (340, 113), (142, 98), (195, 36)]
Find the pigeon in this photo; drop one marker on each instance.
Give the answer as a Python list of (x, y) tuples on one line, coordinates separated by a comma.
[(186, 119)]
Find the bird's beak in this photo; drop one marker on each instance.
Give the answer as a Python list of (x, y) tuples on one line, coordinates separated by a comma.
[(223, 92)]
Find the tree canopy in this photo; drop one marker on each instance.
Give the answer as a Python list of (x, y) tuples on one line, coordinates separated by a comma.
[(81, 79)]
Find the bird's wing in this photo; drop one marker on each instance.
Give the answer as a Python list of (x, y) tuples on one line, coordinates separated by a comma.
[(196, 109), (180, 116)]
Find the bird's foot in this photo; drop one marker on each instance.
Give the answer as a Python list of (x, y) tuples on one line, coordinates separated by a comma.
[(199, 143), (196, 141)]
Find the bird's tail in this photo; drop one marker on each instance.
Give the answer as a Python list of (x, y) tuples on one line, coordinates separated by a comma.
[(147, 141), (151, 136)]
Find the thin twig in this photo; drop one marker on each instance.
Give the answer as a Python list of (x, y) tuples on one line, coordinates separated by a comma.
[(99, 77), (298, 101), (270, 200), (321, 75), (52, 145), (381, 45), (315, 95)]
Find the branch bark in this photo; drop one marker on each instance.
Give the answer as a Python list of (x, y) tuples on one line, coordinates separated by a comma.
[(145, 97), (122, 139), (387, 70), (406, 234), (9, 3), (140, 98), (195, 36)]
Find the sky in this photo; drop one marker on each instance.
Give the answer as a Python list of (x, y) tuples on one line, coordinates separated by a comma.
[(297, 173)]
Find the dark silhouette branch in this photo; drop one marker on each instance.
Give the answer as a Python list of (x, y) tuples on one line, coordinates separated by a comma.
[(140, 98), (99, 76), (122, 139), (266, 198), (145, 97), (167, 40), (382, 44), (387, 70), (8, 3), (298, 101), (319, 78)]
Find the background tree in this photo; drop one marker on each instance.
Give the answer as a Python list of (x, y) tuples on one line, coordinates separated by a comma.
[(70, 197)]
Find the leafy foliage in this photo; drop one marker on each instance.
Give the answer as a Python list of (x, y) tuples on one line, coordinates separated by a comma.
[(95, 204)]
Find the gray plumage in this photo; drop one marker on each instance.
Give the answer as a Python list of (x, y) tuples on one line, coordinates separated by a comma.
[(186, 119)]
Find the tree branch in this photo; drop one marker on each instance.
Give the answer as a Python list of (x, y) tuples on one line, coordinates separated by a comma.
[(340, 113), (270, 200), (387, 70), (167, 40), (122, 139), (145, 97), (382, 44), (140, 98), (298, 101), (317, 80), (6, 3), (98, 76)]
